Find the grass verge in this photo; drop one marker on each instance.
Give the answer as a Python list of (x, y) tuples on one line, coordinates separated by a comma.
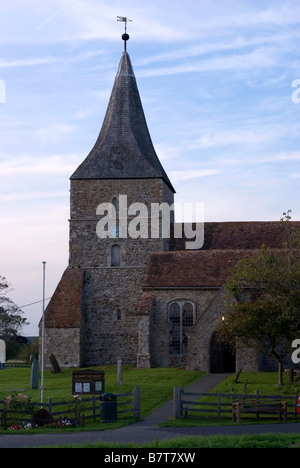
[(218, 441)]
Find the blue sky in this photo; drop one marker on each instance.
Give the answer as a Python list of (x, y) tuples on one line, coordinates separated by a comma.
[(215, 79)]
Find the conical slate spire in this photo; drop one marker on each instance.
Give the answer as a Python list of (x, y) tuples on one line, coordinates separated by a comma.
[(124, 149)]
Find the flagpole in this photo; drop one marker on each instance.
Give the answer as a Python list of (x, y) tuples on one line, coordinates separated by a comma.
[(43, 334)]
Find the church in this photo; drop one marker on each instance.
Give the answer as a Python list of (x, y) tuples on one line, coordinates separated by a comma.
[(151, 300)]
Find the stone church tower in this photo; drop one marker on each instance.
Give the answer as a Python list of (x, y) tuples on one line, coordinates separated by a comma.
[(94, 314), (148, 299)]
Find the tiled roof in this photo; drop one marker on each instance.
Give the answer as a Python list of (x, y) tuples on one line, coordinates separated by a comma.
[(124, 148), (63, 310), (239, 235), (192, 269)]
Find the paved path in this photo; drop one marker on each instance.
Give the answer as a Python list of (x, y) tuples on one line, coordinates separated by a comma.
[(203, 385), (148, 430)]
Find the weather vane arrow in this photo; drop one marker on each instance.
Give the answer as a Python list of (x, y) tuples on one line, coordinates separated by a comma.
[(123, 19)]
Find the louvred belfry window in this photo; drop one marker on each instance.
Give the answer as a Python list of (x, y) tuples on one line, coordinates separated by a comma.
[(181, 318)]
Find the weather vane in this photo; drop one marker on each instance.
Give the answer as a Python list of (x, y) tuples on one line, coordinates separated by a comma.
[(123, 19)]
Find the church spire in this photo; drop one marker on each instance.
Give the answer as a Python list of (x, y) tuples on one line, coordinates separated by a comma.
[(124, 149)]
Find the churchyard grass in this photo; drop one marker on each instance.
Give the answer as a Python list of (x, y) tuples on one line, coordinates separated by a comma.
[(156, 387), (264, 382)]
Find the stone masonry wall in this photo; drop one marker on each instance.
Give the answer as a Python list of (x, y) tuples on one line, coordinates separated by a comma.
[(110, 315), (201, 334), (111, 295), (86, 249), (160, 327), (64, 343)]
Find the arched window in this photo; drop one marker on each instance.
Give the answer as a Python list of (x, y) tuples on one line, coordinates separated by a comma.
[(187, 323), (115, 232), (115, 256), (181, 318), (174, 320)]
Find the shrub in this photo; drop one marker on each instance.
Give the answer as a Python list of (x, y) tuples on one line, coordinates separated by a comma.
[(42, 418), (18, 406)]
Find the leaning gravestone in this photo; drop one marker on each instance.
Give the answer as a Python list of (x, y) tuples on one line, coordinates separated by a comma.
[(55, 365), (34, 376), (2, 354)]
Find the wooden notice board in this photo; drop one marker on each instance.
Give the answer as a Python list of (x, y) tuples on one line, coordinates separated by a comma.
[(88, 382)]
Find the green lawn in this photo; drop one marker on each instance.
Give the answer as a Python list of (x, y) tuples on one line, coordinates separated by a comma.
[(264, 382), (156, 386), (219, 441)]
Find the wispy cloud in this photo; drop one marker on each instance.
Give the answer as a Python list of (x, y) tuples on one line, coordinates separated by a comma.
[(54, 132), (252, 132), (260, 58), (47, 165), (28, 62), (239, 42), (12, 197), (194, 174), (36, 61)]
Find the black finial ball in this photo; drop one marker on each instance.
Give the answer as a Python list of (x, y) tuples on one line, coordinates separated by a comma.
[(125, 37)]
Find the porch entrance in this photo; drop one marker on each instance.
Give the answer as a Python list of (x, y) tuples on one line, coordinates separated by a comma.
[(222, 358)]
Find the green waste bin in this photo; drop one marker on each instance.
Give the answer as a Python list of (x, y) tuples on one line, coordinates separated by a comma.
[(108, 407)]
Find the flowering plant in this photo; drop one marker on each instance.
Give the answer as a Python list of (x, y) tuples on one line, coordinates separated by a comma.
[(75, 409), (17, 407), (19, 427), (14, 428)]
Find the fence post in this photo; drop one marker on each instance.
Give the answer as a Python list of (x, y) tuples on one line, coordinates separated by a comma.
[(295, 406), (136, 402), (50, 405), (94, 408), (177, 402), (219, 405), (3, 421)]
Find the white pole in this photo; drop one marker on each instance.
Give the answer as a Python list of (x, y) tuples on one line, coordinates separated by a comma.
[(43, 335)]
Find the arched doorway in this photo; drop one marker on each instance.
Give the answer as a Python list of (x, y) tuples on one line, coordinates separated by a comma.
[(222, 358)]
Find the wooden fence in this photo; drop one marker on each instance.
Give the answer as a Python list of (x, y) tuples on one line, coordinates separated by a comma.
[(219, 405), (91, 407), (130, 406)]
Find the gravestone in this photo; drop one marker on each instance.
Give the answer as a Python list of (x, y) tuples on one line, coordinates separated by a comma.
[(34, 376), (2, 354), (55, 365)]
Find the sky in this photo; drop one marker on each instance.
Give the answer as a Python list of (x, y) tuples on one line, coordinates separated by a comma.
[(220, 87)]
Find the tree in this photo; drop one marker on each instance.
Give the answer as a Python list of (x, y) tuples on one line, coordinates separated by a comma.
[(264, 298), (11, 320)]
